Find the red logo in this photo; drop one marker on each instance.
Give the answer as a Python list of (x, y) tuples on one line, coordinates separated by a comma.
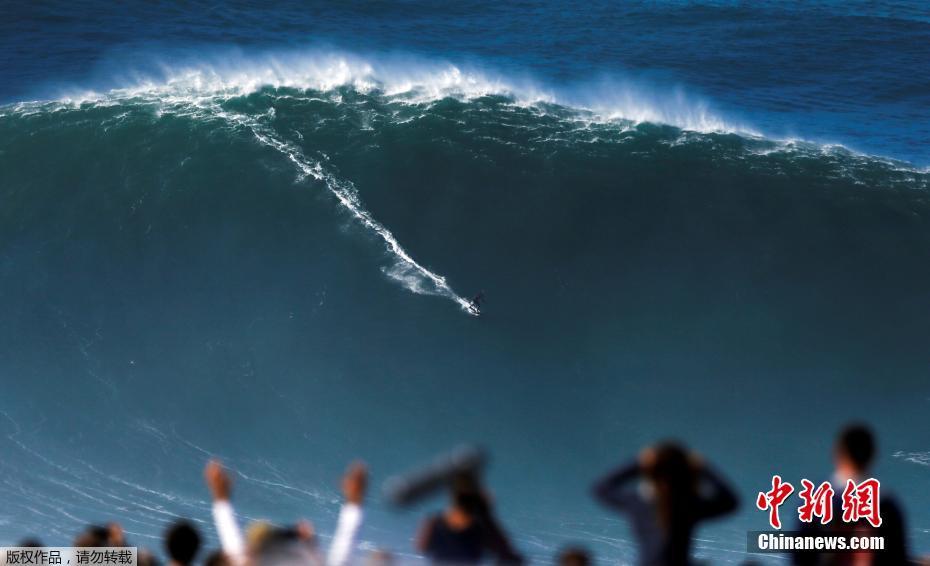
[(774, 499), (859, 501), (817, 502)]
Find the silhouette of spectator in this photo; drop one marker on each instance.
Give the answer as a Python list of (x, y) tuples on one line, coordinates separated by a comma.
[(853, 455), (146, 558), (96, 536), (30, 543), (268, 544), (665, 494), (217, 558), (354, 486), (182, 541), (573, 556), (379, 557), (275, 546), (467, 529)]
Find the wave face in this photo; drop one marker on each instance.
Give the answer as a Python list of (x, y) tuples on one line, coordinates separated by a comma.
[(190, 266), (276, 90)]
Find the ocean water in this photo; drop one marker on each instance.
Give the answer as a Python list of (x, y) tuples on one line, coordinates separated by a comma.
[(250, 232)]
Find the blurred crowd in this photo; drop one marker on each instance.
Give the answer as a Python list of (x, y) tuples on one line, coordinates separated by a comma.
[(665, 493)]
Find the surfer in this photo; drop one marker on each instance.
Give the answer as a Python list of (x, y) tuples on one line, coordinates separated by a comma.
[(475, 304)]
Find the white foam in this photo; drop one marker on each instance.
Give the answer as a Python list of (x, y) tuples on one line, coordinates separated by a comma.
[(403, 78), (920, 458), (414, 276), (409, 79), (198, 91)]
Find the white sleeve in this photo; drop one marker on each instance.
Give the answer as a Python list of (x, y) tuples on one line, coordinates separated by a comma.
[(350, 519), (228, 530)]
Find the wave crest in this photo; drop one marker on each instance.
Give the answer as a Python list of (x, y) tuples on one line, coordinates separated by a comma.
[(410, 79)]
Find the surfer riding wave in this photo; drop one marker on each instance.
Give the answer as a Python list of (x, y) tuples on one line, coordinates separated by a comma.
[(474, 305)]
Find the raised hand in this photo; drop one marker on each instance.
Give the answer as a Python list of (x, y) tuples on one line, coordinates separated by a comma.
[(217, 480), (354, 483)]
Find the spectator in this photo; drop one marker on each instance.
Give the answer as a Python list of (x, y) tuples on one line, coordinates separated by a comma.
[(573, 556), (467, 529), (354, 486), (30, 543), (379, 557), (286, 544), (146, 558), (217, 558), (853, 455), (182, 543), (665, 494), (97, 536)]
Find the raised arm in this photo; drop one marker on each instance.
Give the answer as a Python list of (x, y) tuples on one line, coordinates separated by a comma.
[(424, 538), (223, 515), (350, 516), (716, 496), (614, 489), (499, 544)]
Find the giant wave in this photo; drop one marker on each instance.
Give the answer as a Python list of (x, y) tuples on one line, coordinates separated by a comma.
[(277, 98)]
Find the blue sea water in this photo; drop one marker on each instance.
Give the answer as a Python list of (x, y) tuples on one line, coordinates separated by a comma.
[(249, 230)]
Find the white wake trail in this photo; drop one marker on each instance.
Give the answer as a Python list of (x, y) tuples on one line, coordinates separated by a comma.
[(406, 270)]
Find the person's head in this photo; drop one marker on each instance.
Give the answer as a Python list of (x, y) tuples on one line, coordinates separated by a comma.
[(675, 482), (182, 542), (855, 449), (93, 536), (30, 543), (379, 557), (217, 558), (257, 534), (280, 546), (467, 495), (573, 556), (146, 558)]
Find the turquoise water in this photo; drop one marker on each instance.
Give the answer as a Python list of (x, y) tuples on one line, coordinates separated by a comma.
[(264, 257)]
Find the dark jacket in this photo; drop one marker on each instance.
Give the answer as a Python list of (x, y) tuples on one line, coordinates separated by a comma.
[(660, 545)]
